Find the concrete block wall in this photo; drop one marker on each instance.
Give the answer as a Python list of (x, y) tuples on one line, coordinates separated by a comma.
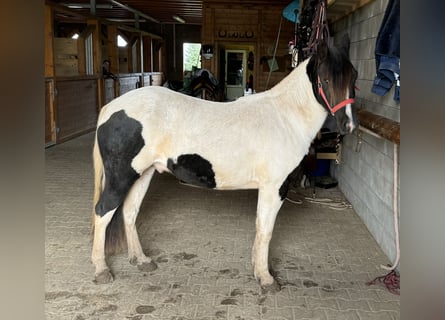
[(366, 173)]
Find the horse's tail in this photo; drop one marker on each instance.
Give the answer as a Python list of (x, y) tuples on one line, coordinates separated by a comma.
[(98, 177), (115, 238)]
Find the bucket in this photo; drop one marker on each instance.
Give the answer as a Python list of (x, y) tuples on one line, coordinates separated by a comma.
[(322, 168)]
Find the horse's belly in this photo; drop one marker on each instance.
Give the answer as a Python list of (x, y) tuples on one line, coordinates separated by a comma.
[(194, 170)]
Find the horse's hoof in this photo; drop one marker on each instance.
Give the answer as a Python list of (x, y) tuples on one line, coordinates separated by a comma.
[(147, 266), (133, 261), (103, 277), (271, 288)]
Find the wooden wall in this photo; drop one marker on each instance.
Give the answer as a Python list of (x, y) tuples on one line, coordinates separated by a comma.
[(235, 24), (175, 36), (77, 102), (75, 96)]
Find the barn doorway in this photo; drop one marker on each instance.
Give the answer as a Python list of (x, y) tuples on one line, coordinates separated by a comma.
[(235, 71)]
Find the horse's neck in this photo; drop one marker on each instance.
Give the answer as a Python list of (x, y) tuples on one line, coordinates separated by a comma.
[(296, 87), (295, 98)]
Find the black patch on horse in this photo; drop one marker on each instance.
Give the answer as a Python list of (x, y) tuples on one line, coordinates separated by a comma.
[(120, 140), (193, 169), (294, 176)]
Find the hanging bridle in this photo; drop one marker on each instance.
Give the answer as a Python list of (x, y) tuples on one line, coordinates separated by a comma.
[(320, 29), (338, 106)]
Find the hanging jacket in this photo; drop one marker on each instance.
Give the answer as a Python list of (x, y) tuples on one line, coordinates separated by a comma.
[(387, 52)]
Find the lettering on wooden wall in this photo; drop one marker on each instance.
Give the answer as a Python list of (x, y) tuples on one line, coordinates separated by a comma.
[(234, 34)]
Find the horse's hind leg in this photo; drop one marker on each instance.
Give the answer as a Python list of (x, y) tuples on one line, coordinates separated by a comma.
[(102, 274), (131, 208), (269, 202), (118, 141), (107, 209)]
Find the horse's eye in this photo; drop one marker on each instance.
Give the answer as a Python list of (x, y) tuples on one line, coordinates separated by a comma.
[(327, 81)]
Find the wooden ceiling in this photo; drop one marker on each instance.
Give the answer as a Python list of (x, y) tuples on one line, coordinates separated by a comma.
[(158, 11), (162, 11)]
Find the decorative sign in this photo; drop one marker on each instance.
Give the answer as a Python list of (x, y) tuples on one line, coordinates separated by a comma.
[(234, 34)]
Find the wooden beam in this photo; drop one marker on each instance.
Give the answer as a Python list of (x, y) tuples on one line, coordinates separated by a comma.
[(144, 33), (384, 127)]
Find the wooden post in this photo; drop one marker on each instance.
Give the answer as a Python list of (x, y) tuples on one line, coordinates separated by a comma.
[(50, 115), (97, 50), (49, 42), (97, 61), (141, 50), (113, 54), (138, 54), (81, 49), (162, 58), (112, 48), (81, 59), (147, 53), (130, 54), (152, 54)]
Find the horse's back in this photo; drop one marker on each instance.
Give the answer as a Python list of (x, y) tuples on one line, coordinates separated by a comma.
[(241, 141)]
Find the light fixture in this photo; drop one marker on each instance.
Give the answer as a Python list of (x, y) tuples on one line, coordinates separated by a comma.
[(125, 20), (178, 18), (87, 5), (207, 51)]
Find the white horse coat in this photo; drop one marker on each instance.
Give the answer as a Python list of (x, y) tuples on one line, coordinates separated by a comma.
[(253, 142)]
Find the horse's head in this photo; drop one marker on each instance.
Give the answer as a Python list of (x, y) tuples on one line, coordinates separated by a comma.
[(333, 81)]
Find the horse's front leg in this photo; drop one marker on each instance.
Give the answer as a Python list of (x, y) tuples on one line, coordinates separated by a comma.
[(269, 202)]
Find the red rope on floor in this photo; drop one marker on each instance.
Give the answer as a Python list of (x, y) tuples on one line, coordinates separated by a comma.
[(391, 281)]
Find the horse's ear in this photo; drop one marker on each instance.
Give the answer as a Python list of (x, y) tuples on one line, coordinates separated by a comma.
[(345, 43), (322, 50)]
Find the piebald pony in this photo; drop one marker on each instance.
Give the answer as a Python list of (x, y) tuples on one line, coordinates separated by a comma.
[(253, 142)]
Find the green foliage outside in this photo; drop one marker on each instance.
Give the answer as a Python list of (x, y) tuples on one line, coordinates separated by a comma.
[(191, 56)]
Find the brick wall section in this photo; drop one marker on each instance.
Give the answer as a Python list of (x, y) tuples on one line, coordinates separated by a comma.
[(366, 175)]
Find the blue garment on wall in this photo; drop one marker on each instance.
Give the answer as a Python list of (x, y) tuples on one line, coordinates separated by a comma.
[(387, 52)]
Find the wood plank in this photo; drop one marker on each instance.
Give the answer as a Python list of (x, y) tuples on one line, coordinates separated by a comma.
[(76, 107), (384, 127), (128, 82)]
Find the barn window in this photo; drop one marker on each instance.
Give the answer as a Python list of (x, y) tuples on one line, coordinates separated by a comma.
[(121, 42), (191, 56), (89, 54)]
